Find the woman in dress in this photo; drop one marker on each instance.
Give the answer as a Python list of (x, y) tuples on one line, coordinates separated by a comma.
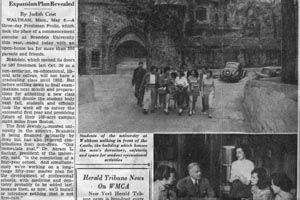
[(163, 90), (172, 89), (260, 185), (149, 85), (194, 90), (282, 185), (208, 92), (164, 179), (160, 93), (241, 174), (181, 86)]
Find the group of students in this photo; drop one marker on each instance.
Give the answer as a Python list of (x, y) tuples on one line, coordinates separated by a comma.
[(155, 89), (247, 183)]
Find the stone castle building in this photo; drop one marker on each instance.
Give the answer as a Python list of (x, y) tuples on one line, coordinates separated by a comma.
[(214, 33)]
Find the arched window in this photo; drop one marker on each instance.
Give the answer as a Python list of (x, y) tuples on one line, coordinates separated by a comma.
[(81, 61), (216, 18), (201, 14), (96, 58), (82, 32), (225, 18)]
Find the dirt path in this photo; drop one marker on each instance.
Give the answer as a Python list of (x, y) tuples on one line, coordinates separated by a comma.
[(116, 111)]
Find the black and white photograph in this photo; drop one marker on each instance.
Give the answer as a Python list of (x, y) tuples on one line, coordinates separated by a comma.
[(225, 166), (188, 66), (149, 100)]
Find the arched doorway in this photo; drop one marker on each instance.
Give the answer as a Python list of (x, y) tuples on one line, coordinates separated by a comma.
[(128, 54), (127, 48)]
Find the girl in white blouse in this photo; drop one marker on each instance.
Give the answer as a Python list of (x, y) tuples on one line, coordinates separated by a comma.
[(241, 174)]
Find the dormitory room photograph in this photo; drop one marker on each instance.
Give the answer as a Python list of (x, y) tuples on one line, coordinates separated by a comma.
[(225, 166)]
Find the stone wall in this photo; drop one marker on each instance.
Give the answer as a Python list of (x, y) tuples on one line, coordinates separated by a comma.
[(102, 23), (271, 107), (216, 58), (164, 52), (86, 90)]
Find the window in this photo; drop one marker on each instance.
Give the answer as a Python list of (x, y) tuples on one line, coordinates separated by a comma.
[(81, 61), (216, 18), (251, 25), (225, 18), (201, 14), (198, 2), (272, 54), (95, 58), (82, 33)]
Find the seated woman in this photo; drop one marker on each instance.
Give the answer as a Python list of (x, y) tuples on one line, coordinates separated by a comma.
[(164, 178), (260, 185), (240, 174), (194, 90), (282, 185)]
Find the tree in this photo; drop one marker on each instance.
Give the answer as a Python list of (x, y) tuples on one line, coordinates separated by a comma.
[(154, 17), (289, 41), (264, 15)]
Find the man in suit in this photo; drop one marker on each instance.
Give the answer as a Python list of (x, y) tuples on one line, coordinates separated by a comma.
[(194, 185), (137, 79)]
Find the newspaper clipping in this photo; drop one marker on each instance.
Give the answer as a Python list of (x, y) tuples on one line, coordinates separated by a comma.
[(149, 100), (38, 72)]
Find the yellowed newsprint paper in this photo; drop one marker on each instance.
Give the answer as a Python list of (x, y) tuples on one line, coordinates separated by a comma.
[(148, 100), (38, 45), (39, 155)]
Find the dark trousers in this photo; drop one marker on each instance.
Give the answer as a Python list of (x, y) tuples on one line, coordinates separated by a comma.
[(187, 99), (139, 94), (181, 95), (203, 104), (239, 190)]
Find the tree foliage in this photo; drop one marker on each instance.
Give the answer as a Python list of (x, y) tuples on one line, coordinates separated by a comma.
[(290, 41), (166, 18), (262, 15)]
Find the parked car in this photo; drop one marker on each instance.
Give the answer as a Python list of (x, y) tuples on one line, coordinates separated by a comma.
[(232, 72), (269, 72)]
